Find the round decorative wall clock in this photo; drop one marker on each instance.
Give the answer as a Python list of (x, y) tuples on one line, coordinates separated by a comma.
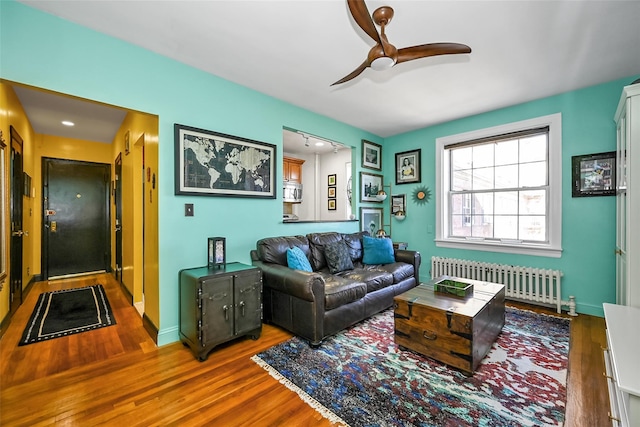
[(421, 195)]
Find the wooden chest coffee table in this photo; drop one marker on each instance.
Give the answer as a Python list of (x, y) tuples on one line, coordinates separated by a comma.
[(458, 331)]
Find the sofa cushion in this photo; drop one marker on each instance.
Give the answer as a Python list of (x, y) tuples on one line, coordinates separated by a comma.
[(374, 279), (399, 270), (354, 243), (337, 256), (297, 260), (377, 250), (274, 249), (317, 242), (339, 291)]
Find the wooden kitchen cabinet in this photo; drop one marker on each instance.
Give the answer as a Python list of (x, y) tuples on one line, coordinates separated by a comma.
[(293, 169)]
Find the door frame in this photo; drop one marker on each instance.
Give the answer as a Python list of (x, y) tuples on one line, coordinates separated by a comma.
[(16, 214)]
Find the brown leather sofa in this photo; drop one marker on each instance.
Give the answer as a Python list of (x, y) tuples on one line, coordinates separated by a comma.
[(317, 304)]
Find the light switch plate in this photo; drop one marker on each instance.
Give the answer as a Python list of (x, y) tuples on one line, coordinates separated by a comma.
[(188, 209)]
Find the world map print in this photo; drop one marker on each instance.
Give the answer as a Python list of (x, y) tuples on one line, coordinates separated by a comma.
[(225, 167)]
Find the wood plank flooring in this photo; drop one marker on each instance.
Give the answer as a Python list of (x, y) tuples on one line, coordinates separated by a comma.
[(117, 376)]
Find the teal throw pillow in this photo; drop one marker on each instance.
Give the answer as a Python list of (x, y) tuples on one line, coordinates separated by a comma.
[(337, 256), (377, 250), (297, 260)]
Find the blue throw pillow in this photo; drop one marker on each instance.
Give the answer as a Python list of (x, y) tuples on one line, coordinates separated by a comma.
[(377, 250), (297, 260)]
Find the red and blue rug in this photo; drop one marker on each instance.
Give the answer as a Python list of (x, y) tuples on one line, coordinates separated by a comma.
[(361, 378)]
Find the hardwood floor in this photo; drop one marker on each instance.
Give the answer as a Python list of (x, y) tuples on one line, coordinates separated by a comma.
[(117, 376)]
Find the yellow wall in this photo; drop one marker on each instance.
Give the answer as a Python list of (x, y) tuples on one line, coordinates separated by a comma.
[(12, 114), (139, 209)]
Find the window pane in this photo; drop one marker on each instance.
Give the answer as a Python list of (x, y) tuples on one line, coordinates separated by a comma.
[(507, 176), (461, 180), (483, 179), (483, 204), (482, 226), (461, 158), (507, 152), (533, 202), (506, 203), (506, 227), (482, 155), (533, 228), (533, 174), (457, 204), (458, 226), (533, 148)]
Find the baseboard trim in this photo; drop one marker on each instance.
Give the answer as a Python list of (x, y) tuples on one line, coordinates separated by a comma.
[(126, 293), (151, 329)]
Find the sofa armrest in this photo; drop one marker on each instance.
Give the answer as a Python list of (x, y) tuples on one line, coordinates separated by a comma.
[(300, 284), (410, 257)]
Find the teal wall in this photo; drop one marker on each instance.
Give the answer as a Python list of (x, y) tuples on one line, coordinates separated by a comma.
[(588, 224), (44, 51)]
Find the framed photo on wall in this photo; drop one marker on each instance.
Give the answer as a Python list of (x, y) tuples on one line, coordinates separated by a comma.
[(398, 203), (331, 204), (215, 164), (408, 168), (594, 174), (370, 184), (370, 220), (331, 192), (371, 155), (331, 179)]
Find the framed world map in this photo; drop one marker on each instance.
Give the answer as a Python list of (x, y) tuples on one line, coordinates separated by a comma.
[(215, 164)]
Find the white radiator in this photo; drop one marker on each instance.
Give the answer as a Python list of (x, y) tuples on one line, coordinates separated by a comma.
[(535, 285)]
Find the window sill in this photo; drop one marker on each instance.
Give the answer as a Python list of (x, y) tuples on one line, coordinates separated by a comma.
[(521, 249)]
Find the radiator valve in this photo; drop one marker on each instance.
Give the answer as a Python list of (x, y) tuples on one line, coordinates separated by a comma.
[(572, 306)]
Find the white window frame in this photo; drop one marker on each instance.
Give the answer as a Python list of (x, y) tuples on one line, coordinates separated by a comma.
[(552, 248)]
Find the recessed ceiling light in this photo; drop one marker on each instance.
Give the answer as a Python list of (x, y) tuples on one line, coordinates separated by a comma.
[(319, 144), (68, 123)]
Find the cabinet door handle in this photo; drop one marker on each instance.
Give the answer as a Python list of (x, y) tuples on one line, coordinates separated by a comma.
[(242, 304), (226, 312)]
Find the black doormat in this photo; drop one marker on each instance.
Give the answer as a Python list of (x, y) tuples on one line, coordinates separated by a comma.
[(67, 312)]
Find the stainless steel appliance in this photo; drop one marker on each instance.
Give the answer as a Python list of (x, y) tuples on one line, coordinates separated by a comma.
[(292, 192)]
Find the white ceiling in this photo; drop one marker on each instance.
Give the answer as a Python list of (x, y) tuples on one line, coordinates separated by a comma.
[(294, 50)]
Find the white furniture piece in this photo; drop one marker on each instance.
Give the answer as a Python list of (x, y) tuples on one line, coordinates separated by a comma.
[(628, 197), (621, 364)]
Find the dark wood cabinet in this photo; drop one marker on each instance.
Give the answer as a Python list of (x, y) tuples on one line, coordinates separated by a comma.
[(218, 305)]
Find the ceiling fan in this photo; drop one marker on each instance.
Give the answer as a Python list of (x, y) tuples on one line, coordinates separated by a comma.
[(385, 55)]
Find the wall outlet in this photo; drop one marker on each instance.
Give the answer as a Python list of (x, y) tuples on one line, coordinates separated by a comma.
[(188, 209)]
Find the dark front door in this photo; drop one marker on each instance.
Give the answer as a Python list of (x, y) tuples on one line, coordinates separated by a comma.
[(17, 190), (75, 217)]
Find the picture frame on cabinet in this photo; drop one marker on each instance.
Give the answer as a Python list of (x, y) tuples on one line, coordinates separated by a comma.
[(593, 174)]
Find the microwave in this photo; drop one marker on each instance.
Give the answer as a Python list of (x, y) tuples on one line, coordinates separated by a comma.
[(292, 192)]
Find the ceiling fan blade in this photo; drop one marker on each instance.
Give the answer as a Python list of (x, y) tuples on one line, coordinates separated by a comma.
[(353, 74), (363, 18), (430, 49)]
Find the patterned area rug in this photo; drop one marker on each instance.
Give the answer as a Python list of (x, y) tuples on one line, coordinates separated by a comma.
[(361, 378), (67, 312)]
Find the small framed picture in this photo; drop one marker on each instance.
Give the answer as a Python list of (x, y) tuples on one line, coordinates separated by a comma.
[(371, 155), (408, 167), (594, 174), (331, 205), (331, 192), (331, 179), (216, 252), (370, 220), (398, 203), (370, 184)]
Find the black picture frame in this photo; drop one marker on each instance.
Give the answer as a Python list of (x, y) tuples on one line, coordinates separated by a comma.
[(593, 174), (216, 252), (331, 204), (398, 203), (371, 220), (331, 179), (370, 184), (209, 163), (371, 155), (408, 167), (331, 192)]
